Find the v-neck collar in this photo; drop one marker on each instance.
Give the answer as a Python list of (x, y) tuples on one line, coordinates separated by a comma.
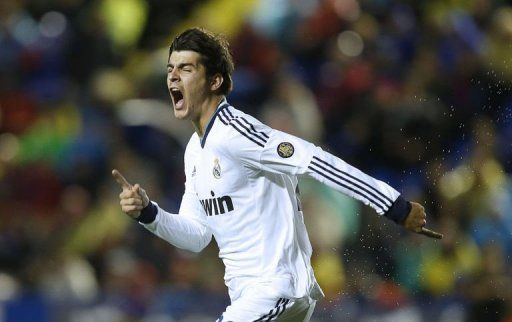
[(223, 104)]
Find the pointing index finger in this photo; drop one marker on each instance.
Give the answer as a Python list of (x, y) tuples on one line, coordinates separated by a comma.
[(121, 180)]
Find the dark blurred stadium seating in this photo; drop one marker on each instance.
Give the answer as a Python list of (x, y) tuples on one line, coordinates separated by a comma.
[(417, 93)]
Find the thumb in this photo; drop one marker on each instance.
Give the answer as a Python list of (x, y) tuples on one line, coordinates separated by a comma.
[(142, 194)]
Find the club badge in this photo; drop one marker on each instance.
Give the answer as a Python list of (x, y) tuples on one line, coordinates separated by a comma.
[(285, 149), (216, 169)]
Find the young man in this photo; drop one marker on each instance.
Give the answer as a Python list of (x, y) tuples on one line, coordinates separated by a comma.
[(241, 188)]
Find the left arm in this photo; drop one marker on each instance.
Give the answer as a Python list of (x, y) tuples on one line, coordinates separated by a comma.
[(288, 154)]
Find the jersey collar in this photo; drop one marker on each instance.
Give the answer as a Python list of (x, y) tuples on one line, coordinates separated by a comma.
[(223, 104)]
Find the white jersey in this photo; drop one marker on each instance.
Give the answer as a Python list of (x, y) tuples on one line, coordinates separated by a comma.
[(241, 188)]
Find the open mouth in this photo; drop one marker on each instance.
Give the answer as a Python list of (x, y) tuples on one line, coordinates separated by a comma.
[(177, 97)]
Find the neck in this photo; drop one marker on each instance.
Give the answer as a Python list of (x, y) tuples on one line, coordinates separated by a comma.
[(207, 110)]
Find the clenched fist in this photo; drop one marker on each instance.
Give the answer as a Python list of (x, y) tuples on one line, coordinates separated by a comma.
[(416, 221), (133, 198)]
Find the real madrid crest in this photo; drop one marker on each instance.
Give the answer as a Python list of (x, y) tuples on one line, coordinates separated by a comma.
[(285, 149), (216, 169)]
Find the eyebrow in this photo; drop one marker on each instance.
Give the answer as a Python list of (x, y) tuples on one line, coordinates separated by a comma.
[(180, 65)]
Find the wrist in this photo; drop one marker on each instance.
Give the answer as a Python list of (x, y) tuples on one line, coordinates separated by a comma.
[(399, 210), (148, 213)]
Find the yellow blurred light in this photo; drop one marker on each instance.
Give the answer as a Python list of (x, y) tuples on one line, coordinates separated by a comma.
[(492, 173), (233, 15), (9, 147), (367, 26), (503, 19), (125, 20), (111, 85), (330, 273), (457, 182)]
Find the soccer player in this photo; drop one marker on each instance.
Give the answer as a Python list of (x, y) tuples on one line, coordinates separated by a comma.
[(241, 188)]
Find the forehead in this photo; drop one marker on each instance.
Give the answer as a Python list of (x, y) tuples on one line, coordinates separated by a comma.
[(184, 57)]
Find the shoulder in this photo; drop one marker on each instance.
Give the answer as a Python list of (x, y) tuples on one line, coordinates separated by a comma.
[(242, 128)]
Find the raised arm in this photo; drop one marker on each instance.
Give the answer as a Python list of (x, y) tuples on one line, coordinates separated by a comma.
[(186, 230)]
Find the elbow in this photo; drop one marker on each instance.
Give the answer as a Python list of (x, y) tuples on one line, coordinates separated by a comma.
[(196, 249), (201, 243)]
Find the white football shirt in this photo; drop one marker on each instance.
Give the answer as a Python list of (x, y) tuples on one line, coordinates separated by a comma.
[(241, 188)]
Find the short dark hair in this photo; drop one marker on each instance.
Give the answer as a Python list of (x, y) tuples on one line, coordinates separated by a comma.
[(214, 51)]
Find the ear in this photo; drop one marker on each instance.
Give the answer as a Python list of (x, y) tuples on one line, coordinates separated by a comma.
[(216, 82)]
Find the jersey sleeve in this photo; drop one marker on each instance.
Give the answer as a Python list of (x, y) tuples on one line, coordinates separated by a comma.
[(287, 154), (186, 230)]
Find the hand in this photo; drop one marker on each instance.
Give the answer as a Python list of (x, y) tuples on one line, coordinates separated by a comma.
[(416, 221), (133, 198)]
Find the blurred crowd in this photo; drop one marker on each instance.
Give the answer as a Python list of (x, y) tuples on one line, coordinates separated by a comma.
[(416, 93)]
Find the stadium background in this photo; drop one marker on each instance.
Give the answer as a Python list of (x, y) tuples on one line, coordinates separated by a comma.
[(417, 93)]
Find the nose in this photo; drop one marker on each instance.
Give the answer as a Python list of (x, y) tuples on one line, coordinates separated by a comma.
[(173, 76)]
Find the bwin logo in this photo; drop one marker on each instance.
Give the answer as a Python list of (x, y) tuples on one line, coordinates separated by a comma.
[(217, 206)]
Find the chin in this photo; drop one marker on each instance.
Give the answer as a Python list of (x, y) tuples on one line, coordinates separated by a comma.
[(180, 115)]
